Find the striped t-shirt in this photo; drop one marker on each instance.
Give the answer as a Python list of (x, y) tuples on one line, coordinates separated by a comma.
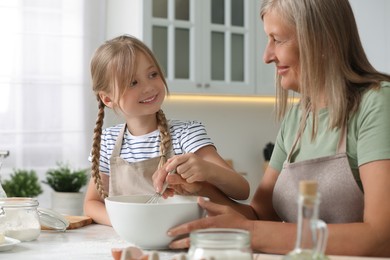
[(187, 137)]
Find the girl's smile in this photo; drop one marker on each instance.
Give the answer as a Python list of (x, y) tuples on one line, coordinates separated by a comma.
[(149, 100)]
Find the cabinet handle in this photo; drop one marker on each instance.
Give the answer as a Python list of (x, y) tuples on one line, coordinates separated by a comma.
[(198, 85), (207, 85)]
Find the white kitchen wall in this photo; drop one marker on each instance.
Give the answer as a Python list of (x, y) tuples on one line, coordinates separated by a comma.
[(240, 130), (372, 18)]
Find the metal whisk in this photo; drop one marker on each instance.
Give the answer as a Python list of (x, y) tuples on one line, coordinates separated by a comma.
[(156, 196)]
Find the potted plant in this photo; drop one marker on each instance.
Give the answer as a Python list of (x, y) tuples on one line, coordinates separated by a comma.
[(22, 183), (66, 184)]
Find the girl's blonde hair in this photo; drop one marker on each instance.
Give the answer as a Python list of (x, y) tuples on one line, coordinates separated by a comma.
[(113, 66), (332, 60)]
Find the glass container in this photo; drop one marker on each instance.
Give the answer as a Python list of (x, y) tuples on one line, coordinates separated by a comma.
[(218, 244), (21, 219)]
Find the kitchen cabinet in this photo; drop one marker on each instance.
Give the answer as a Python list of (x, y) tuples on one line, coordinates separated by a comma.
[(204, 47)]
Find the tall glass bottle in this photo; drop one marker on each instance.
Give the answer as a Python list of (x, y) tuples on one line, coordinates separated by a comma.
[(312, 233)]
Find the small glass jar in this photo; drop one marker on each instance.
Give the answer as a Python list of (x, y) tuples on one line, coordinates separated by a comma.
[(220, 243), (19, 218)]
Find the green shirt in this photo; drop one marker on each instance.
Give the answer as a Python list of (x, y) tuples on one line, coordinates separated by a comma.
[(368, 137)]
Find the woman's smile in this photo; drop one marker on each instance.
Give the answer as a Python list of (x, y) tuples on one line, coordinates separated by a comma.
[(282, 70)]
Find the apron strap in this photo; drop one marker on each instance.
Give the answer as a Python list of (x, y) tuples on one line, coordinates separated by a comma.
[(299, 133), (341, 146), (118, 142)]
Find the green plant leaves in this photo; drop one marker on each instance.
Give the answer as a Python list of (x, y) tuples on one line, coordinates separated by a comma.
[(22, 183), (63, 179)]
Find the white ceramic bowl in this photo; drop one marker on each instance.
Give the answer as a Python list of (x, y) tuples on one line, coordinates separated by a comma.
[(146, 225)]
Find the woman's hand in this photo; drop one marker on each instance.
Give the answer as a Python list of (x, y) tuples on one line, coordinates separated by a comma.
[(219, 216), (181, 186)]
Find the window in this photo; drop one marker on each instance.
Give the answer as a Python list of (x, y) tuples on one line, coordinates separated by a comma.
[(45, 50)]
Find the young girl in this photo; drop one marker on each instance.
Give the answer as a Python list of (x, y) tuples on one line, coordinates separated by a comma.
[(127, 78)]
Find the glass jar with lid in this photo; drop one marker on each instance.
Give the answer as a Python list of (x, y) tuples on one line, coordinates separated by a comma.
[(21, 219), (220, 243)]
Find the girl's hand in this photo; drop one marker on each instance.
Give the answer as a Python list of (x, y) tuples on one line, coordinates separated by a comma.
[(176, 184), (190, 166), (160, 176), (219, 216)]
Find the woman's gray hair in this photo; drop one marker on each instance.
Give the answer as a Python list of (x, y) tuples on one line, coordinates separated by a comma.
[(333, 64)]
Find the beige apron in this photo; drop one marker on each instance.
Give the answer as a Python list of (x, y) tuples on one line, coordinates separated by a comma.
[(342, 201), (131, 178)]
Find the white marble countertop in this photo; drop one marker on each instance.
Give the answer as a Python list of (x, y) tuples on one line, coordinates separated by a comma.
[(90, 242), (93, 242)]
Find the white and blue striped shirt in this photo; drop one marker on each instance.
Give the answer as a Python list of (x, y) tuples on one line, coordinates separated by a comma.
[(187, 137)]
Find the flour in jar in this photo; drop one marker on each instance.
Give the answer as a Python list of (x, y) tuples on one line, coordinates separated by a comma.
[(21, 223), (27, 234)]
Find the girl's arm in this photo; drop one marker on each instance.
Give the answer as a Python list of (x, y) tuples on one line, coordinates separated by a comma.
[(206, 165), (94, 205)]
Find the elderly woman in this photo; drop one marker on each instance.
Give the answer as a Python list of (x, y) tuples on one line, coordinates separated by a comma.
[(338, 134)]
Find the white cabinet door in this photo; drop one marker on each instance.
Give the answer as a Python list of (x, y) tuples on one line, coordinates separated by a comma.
[(204, 46)]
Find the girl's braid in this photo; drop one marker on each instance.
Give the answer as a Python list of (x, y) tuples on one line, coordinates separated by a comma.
[(165, 136), (95, 172)]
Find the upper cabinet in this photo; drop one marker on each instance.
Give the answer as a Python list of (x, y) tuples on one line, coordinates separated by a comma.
[(207, 46)]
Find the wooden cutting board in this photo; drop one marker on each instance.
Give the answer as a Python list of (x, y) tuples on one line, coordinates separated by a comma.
[(78, 221), (74, 222)]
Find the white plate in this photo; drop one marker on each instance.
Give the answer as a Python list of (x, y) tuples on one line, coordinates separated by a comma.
[(8, 244)]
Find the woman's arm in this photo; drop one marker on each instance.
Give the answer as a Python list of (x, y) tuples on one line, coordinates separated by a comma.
[(370, 238), (94, 206), (262, 199), (206, 165)]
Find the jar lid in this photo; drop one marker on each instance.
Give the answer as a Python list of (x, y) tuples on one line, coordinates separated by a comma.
[(220, 238), (53, 220), (18, 202)]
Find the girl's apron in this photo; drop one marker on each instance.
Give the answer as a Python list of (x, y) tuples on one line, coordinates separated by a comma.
[(342, 201), (131, 178)]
